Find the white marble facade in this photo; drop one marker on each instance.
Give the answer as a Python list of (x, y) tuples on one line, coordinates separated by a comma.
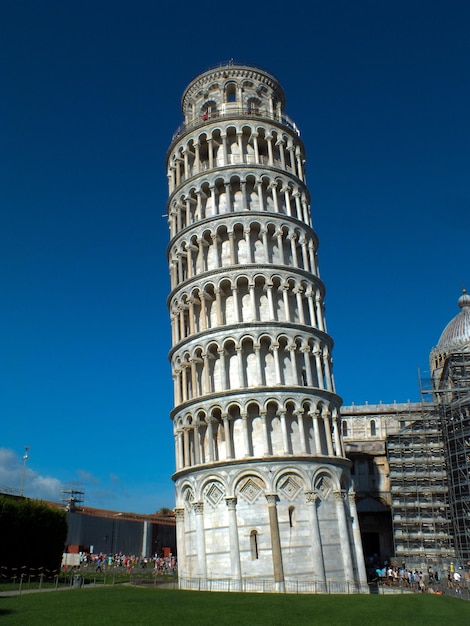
[(263, 487)]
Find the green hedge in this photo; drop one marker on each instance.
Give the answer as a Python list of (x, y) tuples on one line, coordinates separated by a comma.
[(32, 535)]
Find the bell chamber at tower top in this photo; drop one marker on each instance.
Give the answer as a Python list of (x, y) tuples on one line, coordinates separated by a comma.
[(234, 120)]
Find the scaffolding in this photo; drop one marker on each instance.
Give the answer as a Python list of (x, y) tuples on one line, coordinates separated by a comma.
[(73, 496), (452, 393), (419, 489)]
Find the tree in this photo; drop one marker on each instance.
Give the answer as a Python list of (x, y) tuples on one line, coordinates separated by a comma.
[(32, 535)]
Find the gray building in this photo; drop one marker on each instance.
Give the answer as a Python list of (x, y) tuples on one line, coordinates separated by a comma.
[(114, 532)]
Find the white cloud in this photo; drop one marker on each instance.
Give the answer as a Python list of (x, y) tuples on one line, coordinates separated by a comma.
[(110, 492), (35, 486), (88, 477)]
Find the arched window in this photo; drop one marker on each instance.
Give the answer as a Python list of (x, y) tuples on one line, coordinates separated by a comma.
[(344, 428), (254, 545), (231, 92), (373, 428), (291, 516), (209, 110), (254, 106)]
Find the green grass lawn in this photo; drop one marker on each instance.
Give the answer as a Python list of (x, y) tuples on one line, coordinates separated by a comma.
[(130, 606)]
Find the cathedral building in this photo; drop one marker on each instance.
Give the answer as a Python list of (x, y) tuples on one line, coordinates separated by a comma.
[(264, 494), (411, 462)]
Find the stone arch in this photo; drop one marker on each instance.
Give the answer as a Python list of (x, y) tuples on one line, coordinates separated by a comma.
[(215, 437), (232, 365), (213, 363), (254, 202), (324, 483), (210, 304), (209, 109), (249, 361), (213, 492), (187, 496), (253, 105), (230, 91), (283, 355), (261, 301), (296, 439), (267, 359), (249, 485), (290, 485), (246, 311), (256, 435), (201, 433), (228, 305), (274, 427), (234, 413)]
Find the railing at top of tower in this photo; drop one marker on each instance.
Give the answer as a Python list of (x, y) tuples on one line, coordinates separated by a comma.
[(204, 118)]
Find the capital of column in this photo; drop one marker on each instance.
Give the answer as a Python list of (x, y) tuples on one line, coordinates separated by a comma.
[(231, 503), (179, 514), (198, 508), (352, 497), (271, 499), (339, 496), (311, 497)]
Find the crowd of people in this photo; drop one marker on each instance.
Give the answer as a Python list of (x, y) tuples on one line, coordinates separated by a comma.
[(104, 562), (430, 581)]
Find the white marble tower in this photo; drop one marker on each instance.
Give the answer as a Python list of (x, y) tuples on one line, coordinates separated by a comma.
[(263, 487)]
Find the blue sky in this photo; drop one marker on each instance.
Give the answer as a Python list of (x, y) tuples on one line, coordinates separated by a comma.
[(90, 95)]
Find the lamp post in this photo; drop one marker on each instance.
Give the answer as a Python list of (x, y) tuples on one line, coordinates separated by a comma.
[(25, 459)]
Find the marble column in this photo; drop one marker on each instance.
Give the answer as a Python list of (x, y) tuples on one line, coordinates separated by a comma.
[(236, 570), (344, 536), (361, 567), (201, 566), (278, 568), (180, 543), (313, 501)]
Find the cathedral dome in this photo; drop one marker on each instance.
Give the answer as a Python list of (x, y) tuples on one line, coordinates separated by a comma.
[(456, 334)]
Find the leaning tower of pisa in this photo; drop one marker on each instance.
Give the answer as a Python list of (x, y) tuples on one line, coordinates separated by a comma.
[(263, 488)]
